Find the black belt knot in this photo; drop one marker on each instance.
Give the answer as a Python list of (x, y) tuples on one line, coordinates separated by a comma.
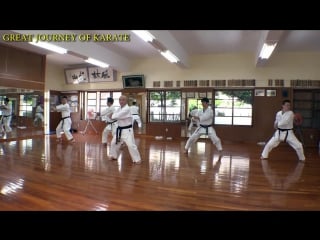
[(62, 119), (206, 127), (283, 130), (118, 133)]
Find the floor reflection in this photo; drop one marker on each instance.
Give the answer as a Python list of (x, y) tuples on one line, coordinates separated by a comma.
[(281, 177), (12, 187), (80, 176), (281, 181), (22, 133)]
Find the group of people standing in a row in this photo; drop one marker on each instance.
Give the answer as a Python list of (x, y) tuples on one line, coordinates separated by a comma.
[(120, 125)]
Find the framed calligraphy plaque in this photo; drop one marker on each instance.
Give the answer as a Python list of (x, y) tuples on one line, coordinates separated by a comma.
[(98, 74), (76, 75)]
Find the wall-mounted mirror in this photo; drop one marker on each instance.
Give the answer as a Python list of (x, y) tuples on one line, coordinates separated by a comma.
[(27, 113)]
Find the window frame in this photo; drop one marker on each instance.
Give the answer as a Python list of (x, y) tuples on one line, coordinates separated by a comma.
[(163, 115), (232, 108)]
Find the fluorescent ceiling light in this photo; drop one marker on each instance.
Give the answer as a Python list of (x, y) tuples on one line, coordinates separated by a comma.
[(145, 35), (267, 50), (97, 63), (170, 56), (50, 47)]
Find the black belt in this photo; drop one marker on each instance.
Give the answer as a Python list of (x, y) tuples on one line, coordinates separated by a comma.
[(134, 114), (282, 130), (62, 119), (118, 133), (111, 122), (206, 127), (6, 116)]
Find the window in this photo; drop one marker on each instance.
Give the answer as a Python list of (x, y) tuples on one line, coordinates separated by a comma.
[(116, 96), (165, 106), (307, 103), (193, 100), (97, 102), (73, 103), (92, 105), (25, 106), (103, 100), (233, 107)]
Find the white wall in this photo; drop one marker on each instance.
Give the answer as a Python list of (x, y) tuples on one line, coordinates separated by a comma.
[(54, 78), (285, 66)]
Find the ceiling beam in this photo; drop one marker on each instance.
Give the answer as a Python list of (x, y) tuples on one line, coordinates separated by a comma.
[(167, 41), (268, 37), (86, 49)]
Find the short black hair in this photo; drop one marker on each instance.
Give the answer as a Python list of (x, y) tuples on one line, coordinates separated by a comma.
[(205, 100), (110, 100), (6, 99), (286, 101)]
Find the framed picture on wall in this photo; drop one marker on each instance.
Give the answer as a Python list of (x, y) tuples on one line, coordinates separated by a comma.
[(133, 81), (98, 74), (76, 75), (259, 92), (271, 93)]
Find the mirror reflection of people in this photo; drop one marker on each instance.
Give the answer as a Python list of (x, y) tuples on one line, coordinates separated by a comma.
[(38, 117), (284, 132), (205, 118), (65, 122), (5, 122)]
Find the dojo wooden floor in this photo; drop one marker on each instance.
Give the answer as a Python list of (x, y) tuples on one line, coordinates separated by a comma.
[(36, 173)]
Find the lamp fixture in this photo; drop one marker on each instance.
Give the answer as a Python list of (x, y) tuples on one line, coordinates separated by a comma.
[(97, 62), (148, 37), (267, 50), (49, 46), (145, 35), (170, 56)]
